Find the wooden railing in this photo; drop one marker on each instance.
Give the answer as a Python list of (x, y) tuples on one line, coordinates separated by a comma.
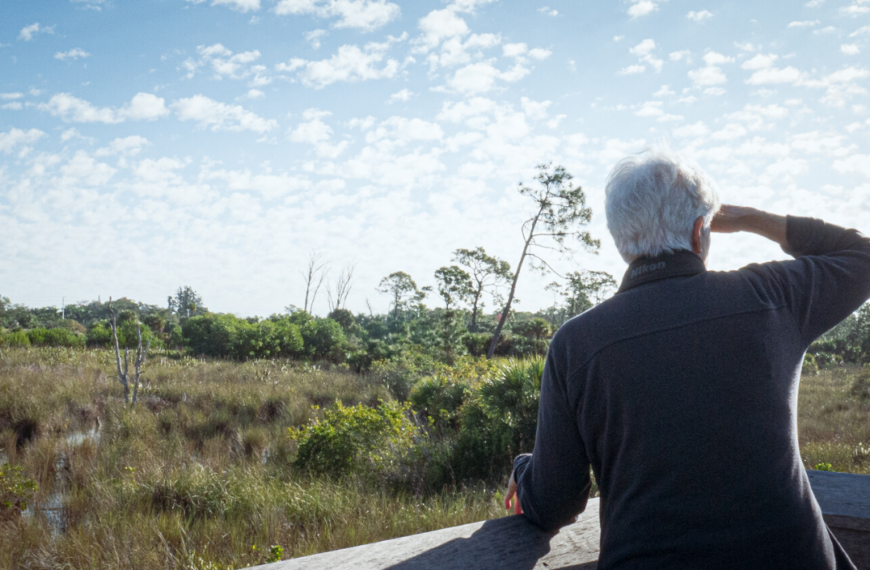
[(513, 542)]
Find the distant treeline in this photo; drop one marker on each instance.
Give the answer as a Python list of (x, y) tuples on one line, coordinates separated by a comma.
[(442, 334)]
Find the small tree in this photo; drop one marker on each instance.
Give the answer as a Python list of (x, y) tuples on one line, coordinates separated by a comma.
[(141, 354), (337, 297), (314, 274), (487, 273), (402, 289), (560, 212), (454, 286), (185, 303)]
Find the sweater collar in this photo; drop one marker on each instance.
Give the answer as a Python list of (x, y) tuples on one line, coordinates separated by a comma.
[(680, 263)]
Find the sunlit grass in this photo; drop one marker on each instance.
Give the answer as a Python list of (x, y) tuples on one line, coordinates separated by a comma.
[(199, 472)]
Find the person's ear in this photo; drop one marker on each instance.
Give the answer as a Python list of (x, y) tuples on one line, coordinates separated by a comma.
[(696, 235)]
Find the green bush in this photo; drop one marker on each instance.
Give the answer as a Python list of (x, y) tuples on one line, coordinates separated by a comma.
[(99, 335), (499, 421), (15, 491), (54, 337), (400, 373), (15, 339), (324, 340), (861, 387), (356, 440), (809, 364)]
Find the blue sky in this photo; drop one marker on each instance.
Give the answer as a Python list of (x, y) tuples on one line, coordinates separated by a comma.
[(215, 143)]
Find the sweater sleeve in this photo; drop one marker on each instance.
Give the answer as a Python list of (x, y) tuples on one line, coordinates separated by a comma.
[(829, 278), (553, 483)]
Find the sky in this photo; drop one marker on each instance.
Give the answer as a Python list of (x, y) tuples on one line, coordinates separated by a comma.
[(217, 143)]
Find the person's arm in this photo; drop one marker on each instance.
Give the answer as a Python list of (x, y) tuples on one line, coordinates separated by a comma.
[(552, 484), (828, 280)]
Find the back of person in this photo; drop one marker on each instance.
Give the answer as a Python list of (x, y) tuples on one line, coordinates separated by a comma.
[(686, 405), (680, 392)]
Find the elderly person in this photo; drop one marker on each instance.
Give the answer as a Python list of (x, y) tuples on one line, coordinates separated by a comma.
[(681, 390)]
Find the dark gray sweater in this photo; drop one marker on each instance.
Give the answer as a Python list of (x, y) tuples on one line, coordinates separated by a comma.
[(681, 393)]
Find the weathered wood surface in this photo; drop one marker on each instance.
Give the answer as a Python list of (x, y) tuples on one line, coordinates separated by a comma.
[(513, 542), (845, 502)]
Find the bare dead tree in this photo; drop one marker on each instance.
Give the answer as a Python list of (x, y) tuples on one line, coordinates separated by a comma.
[(337, 297), (316, 272), (141, 355)]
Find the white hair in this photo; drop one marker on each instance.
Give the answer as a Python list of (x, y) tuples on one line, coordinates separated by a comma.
[(652, 200)]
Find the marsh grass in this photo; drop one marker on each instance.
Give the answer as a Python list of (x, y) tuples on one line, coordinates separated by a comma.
[(197, 474), (201, 470)]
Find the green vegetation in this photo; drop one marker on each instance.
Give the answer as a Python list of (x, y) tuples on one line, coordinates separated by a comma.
[(225, 464)]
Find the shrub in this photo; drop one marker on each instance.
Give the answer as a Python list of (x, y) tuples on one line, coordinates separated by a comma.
[(500, 420), (15, 491), (55, 337), (809, 364), (477, 343), (356, 440), (400, 373), (99, 335), (324, 340), (15, 339)]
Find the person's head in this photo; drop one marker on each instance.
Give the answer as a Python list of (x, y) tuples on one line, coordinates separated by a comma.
[(656, 202)]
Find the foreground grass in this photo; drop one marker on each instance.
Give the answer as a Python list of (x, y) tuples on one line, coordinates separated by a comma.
[(200, 471), (197, 474)]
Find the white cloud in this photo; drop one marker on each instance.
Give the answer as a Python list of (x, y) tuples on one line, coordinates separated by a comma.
[(840, 85), (220, 116), (292, 65), (83, 169), (618, 38), (12, 106), (17, 137), (854, 164), (663, 91), (8, 96), (644, 52), (760, 61), (238, 5), (27, 32), (715, 58), (313, 37), (73, 109), (126, 146), (699, 16), (548, 11), (96, 5), (729, 132), (224, 63), (715, 91), (696, 130), (366, 15), (482, 77), (144, 107), (705, 76), (437, 26), (349, 64), (774, 75), (535, 109), (74, 53), (631, 70), (642, 8), (857, 8), (403, 95), (679, 55), (850, 49), (804, 24), (650, 109), (399, 130), (814, 3), (253, 94)]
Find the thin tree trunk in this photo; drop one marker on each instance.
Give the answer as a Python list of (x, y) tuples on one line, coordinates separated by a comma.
[(507, 307), (474, 311)]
